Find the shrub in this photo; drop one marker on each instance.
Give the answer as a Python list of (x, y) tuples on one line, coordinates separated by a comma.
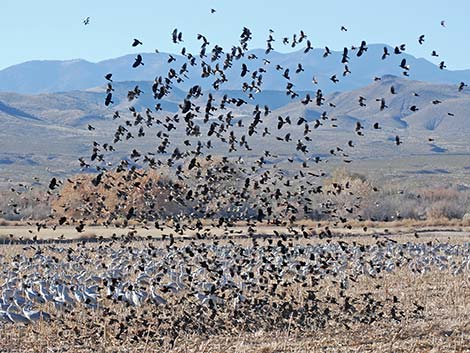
[(445, 209), (118, 197)]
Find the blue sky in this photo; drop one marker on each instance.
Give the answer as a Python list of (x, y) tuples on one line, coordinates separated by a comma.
[(53, 29)]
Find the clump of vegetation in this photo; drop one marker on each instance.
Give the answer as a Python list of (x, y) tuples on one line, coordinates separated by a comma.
[(356, 197), (118, 197), (22, 203)]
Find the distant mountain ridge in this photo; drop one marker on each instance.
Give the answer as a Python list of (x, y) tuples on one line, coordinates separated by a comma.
[(34, 77), (51, 131)]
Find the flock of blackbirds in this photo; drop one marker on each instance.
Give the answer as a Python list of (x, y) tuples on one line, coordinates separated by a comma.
[(214, 286), (245, 184)]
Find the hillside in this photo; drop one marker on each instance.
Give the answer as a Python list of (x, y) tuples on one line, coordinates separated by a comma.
[(35, 77), (47, 133)]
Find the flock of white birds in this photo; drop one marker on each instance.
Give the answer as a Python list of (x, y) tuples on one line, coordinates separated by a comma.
[(44, 280)]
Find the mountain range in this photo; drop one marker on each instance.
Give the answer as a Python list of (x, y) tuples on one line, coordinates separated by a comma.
[(52, 111), (34, 77)]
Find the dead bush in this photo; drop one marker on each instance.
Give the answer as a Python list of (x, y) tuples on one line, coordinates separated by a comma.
[(23, 203), (445, 208), (117, 197)]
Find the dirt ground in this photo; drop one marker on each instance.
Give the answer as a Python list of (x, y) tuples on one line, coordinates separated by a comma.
[(399, 232)]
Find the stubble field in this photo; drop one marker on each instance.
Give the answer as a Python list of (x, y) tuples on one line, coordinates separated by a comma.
[(386, 291)]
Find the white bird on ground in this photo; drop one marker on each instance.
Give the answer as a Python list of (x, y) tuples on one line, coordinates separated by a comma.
[(36, 315), (16, 317), (4, 316)]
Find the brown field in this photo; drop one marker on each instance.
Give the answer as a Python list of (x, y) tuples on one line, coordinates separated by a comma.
[(443, 324), (20, 231)]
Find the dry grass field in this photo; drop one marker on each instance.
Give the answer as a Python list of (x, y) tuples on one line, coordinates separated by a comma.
[(402, 310)]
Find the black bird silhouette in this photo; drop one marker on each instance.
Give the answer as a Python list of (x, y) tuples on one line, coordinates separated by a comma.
[(309, 46), (244, 70), (138, 61), (109, 77), (362, 48), (403, 65), (382, 104), (136, 42), (53, 183), (80, 227), (345, 57), (286, 74), (385, 54), (86, 21), (108, 99), (421, 39)]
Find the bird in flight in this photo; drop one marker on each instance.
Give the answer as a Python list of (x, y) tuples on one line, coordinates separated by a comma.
[(138, 61), (443, 23), (385, 54), (177, 36), (136, 42), (86, 21), (108, 99)]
